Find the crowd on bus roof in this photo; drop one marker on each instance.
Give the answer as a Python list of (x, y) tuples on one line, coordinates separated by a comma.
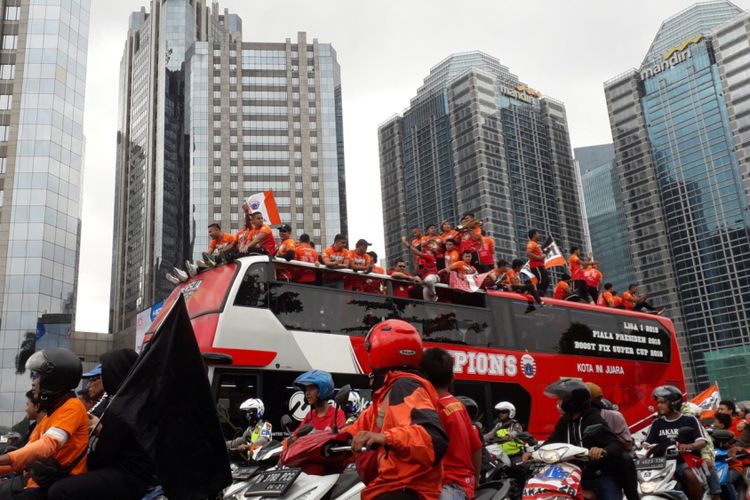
[(438, 253)]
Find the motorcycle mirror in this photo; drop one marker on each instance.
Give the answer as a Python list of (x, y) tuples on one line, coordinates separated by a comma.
[(478, 425), (722, 435), (307, 429), (342, 397), (286, 423), (685, 435)]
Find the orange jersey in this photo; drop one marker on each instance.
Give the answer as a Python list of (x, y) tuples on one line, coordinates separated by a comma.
[(576, 272), (451, 258), (221, 244), (616, 301), (487, 251), (561, 290), (373, 285), (241, 238), (431, 243), (359, 260), (288, 245), (448, 235), (470, 244), (305, 253), (462, 267), (534, 248), (268, 243), (628, 300), (72, 418), (412, 456), (512, 277), (592, 276), (336, 257), (607, 299)]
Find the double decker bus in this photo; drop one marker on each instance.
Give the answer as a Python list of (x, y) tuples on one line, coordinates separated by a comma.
[(257, 332)]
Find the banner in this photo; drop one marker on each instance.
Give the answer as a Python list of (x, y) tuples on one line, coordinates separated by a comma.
[(266, 204), (708, 399), (467, 283), (526, 275), (166, 401), (143, 323), (552, 255)]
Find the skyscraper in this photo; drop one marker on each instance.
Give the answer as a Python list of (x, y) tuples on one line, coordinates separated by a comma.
[(602, 198), (43, 51), (680, 130), (477, 139), (206, 120)]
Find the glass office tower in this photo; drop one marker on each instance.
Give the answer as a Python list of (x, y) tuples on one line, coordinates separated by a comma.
[(678, 128), (43, 54)]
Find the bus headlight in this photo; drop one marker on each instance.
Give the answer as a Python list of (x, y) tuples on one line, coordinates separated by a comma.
[(648, 487), (549, 456)]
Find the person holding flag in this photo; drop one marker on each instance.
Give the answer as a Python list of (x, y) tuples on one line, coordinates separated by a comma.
[(577, 266), (513, 277), (536, 262)]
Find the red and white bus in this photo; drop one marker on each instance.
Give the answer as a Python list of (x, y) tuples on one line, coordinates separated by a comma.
[(258, 333)]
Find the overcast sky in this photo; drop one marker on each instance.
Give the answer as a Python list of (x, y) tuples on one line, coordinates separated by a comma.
[(564, 49)]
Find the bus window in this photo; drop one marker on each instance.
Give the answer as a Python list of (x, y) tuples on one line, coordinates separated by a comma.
[(446, 322), (253, 291), (517, 395), (536, 331), (232, 390), (325, 310)]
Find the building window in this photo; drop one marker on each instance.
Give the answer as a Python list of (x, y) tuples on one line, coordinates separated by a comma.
[(4, 132), (12, 13), (7, 71), (10, 42), (5, 101), (3, 165)]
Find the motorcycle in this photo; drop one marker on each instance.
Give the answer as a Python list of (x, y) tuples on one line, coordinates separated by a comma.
[(504, 471), (314, 466), (722, 439)]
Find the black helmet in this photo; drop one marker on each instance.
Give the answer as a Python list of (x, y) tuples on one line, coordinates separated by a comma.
[(573, 394), (671, 393), (59, 371), (471, 406)]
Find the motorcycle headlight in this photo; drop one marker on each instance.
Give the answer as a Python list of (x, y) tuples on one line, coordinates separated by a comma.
[(549, 456), (648, 487)]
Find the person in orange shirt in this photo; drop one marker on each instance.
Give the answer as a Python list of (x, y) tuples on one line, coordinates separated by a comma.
[(374, 285), (402, 424), (399, 272), (287, 250), (470, 237), (336, 257), (616, 300), (447, 231), (513, 275), (536, 262), (497, 277), (220, 242), (486, 254), (562, 289), (593, 278), (418, 237), (451, 254), (304, 252), (577, 265), (63, 434), (431, 241), (463, 266), (359, 261), (240, 237), (607, 298), (632, 302), (259, 238)]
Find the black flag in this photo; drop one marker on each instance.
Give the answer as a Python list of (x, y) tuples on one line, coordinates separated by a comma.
[(166, 401)]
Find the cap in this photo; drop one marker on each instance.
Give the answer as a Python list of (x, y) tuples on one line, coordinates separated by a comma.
[(96, 372), (285, 228), (363, 242), (594, 389)]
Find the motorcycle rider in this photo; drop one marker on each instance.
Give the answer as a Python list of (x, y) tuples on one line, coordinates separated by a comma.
[(665, 429), (708, 454), (318, 388), (64, 433), (605, 450), (463, 460), (353, 407), (402, 424), (506, 430), (258, 432)]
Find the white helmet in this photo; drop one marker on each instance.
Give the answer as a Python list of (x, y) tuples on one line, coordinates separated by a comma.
[(254, 407), (507, 406), (354, 405)]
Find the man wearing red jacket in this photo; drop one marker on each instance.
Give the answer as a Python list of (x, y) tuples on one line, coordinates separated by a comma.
[(402, 423)]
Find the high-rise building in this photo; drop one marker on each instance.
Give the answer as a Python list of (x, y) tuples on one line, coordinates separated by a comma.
[(602, 201), (477, 139), (205, 121), (682, 140), (43, 51)]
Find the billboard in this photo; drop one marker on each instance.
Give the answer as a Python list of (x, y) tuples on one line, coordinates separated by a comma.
[(143, 323)]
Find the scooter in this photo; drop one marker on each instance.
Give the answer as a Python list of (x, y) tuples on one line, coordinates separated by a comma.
[(722, 439), (503, 469), (299, 473)]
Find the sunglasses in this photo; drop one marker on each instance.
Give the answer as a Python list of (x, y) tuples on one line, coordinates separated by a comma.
[(401, 266)]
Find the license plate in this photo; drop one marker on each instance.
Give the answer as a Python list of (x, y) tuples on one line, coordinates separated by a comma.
[(650, 463), (272, 483), (243, 473)]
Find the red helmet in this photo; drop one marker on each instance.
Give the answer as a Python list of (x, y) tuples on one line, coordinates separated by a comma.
[(393, 344)]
